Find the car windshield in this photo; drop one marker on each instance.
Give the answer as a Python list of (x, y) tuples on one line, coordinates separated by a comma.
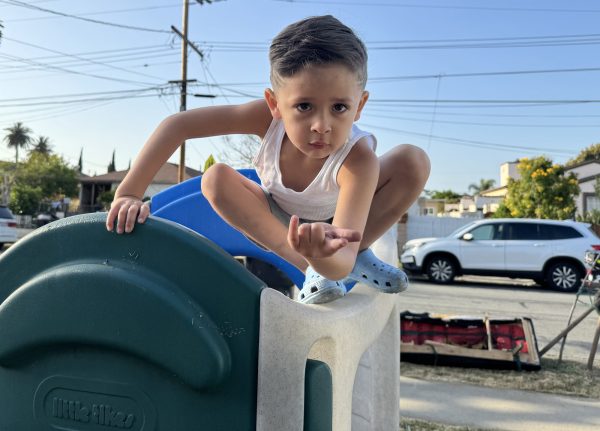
[(460, 229), (5, 213)]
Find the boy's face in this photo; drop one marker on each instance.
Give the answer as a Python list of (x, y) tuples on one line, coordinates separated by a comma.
[(318, 106)]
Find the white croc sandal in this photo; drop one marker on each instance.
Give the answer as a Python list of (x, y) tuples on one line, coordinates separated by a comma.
[(373, 272), (319, 290)]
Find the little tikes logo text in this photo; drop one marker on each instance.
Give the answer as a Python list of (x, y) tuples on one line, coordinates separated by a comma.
[(98, 414), (72, 403)]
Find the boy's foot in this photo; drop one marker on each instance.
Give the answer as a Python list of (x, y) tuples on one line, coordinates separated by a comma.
[(373, 272), (319, 290)]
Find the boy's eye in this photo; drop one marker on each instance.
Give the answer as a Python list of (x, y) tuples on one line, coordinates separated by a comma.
[(339, 107), (303, 107)]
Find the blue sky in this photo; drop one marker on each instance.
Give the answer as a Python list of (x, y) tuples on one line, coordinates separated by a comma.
[(473, 83)]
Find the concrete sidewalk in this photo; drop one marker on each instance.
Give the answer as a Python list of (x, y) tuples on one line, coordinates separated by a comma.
[(496, 409)]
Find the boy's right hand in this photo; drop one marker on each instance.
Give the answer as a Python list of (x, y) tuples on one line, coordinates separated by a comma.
[(126, 210), (318, 240)]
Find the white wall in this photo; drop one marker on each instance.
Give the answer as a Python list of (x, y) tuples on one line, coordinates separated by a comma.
[(425, 227)]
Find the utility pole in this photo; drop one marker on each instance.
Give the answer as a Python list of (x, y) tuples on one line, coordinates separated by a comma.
[(183, 98), (184, 81)]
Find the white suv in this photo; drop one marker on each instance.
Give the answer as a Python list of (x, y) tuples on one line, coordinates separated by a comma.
[(548, 251), (8, 226)]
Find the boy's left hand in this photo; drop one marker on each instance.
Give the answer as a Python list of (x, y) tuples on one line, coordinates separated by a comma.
[(318, 240)]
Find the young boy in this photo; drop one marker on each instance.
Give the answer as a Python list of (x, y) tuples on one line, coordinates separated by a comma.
[(325, 196)]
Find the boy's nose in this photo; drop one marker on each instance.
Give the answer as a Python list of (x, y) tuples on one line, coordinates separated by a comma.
[(321, 125)]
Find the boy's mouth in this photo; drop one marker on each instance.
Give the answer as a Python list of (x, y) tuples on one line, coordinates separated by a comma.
[(317, 144)]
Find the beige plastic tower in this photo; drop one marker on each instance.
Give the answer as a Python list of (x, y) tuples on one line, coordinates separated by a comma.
[(338, 333)]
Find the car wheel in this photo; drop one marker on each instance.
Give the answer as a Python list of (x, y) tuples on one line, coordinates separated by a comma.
[(441, 269), (564, 276)]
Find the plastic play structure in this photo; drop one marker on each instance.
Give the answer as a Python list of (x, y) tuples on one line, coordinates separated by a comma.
[(163, 330), (185, 204)]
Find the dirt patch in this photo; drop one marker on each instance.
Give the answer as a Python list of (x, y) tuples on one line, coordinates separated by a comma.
[(418, 425)]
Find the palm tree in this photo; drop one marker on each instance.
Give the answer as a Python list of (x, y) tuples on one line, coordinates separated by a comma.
[(42, 146), (482, 186), (18, 137)]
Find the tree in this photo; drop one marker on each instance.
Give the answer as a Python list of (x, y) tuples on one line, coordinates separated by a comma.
[(544, 191), (106, 198), (590, 153), (25, 199), (209, 162), (50, 174), (111, 166), (482, 186), (18, 137), (240, 153), (448, 195), (42, 146), (80, 163)]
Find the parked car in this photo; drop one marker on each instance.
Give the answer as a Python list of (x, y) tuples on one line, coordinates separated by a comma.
[(550, 252), (8, 226)]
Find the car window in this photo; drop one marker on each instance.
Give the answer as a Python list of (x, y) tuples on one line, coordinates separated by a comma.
[(457, 231), (482, 233), (549, 231), (5, 213), (521, 231)]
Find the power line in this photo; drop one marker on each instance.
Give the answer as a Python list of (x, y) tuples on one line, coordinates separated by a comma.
[(105, 12), (489, 101), (109, 53), (472, 143), (476, 74), (467, 123), (92, 99), (95, 21), (74, 72), (424, 6), (81, 58), (96, 93)]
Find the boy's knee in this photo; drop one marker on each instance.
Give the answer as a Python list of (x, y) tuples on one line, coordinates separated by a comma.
[(214, 178), (413, 162)]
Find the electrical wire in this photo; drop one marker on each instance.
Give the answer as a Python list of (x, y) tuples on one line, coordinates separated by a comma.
[(94, 21), (70, 71), (472, 143), (106, 12), (81, 58), (467, 123), (425, 6)]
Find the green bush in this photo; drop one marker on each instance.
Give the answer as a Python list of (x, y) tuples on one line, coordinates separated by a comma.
[(25, 199)]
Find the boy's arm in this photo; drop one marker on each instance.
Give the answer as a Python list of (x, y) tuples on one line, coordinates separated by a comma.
[(357, 179), (250, 118)]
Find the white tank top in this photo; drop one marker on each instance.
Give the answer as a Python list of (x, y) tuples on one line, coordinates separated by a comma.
[(319, 199)]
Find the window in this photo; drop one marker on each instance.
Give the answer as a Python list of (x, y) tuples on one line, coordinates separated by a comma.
[(521, 231), (5, 213), (482, 233), (551, 231)]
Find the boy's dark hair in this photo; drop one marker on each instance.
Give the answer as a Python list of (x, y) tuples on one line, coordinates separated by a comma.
[(318, 40)]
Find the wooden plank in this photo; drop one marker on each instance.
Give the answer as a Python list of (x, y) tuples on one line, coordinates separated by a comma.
[(530, 339), (449, 350)]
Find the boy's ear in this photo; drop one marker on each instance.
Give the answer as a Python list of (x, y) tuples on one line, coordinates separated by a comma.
[(272, 103), (361, 104)]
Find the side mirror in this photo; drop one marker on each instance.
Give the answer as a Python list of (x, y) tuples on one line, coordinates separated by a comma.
[(468, 236)]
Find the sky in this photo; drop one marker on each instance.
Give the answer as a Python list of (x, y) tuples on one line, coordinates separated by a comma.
[(475, 84)]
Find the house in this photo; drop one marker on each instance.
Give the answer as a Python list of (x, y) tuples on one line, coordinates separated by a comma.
[(587, 174), (92, 187)]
